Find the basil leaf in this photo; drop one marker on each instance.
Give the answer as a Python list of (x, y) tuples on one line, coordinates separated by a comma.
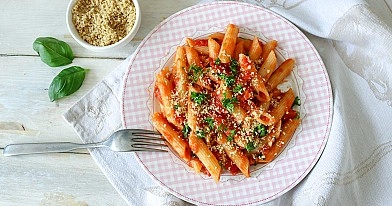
[(68, 81), (53, 52)]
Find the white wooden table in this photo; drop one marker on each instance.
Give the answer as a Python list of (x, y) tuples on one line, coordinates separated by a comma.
[(27, 115)]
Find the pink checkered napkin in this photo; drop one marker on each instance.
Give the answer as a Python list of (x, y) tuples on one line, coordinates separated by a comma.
[(307, 144)]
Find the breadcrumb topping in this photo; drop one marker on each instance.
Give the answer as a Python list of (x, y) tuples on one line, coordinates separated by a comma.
[(103, 22)]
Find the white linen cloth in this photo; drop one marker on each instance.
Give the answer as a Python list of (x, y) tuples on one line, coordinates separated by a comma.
[(354, 41)]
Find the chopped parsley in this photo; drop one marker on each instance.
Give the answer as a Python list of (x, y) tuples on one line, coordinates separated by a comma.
[(210, 122), (229, 80), (233, 65), (260, 130), (221, 128), (297, 102), (221, 164), (250, 146), (298, 116), (185, 131), (195, 73), (198, 97), (217, 61), (176, 106), (200, 134), (228, 103), (238, 88), (231, 135)]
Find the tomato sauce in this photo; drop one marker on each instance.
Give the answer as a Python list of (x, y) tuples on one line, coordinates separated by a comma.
[(201, 42)]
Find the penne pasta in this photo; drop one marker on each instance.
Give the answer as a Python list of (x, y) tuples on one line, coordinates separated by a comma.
[(239, 49), (255, 49), (217, 36), (202, 50), (191, 114), (280, 73), (247, 44), (181, 77), (205, 155), (268, 66), (235, 154), (172, 136), (217, 111), (196, 164), (267, 48), (228, 44), (195, 42), (213, 49), (164, 88), (192, 56), (288, 130), (284, 105), (256, 81)]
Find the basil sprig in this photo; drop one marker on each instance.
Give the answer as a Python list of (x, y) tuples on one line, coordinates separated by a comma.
[(68, 81), (53, 52)]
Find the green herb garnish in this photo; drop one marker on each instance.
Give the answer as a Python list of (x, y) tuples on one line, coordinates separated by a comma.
[(210, 122), (250, 146), (217, 61), (229, 80), (185, 131), (221, 128), (233, 65), (238, 88), (228, 103), (260, 130), (195, 73), (297, 102), (221, 164), (198, 97), (200, 134), (298, 116), (231, 135)]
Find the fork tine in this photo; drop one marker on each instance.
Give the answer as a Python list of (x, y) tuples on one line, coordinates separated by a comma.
[(143, 131), (147, 138), (152, 147), (151, 144), (149, 150)]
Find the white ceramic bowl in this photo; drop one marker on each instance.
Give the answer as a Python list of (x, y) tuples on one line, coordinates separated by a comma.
[(119, 44)]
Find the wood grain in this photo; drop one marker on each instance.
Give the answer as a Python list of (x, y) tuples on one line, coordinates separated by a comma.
[(27, 115)]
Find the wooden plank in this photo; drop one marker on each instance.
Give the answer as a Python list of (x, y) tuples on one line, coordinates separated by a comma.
[(24, 103), (55, 179), (23, 21), (27, 115)]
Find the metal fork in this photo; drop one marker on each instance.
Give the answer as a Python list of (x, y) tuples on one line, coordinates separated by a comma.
[(125, 140)]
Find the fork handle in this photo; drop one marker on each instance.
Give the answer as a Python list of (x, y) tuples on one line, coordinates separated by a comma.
[(35, 148)]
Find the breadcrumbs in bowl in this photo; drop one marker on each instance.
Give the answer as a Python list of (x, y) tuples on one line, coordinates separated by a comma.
[(101, 25)]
